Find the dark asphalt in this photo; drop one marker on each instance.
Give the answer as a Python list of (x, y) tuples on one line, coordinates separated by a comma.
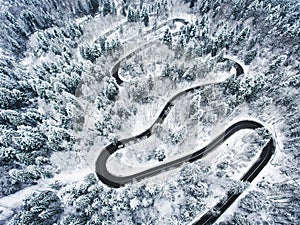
[(117, 181)]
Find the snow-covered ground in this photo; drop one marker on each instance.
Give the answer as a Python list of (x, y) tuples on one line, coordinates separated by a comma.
[(148, 113), (65, 84)]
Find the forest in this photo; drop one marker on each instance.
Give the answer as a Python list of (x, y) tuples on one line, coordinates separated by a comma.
[(60, 104)]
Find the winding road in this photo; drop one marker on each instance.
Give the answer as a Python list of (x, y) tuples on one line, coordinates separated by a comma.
[(118, 181)]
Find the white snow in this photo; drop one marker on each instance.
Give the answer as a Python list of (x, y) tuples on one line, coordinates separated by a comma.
[(8, 204), (73, 167), (134, 203)]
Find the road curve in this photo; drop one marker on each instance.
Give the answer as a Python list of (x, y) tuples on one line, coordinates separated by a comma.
[(212, 215), (115, 69), (117, 181)]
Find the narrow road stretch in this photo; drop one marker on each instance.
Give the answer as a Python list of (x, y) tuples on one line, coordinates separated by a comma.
[(118, 181), (267, 152), (115, 69)]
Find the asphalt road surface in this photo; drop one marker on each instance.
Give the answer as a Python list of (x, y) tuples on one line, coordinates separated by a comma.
[(118, 181)]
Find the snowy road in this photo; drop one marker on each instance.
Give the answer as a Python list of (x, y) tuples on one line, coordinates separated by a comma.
[(118, 181), (216, 211), (210, 216)]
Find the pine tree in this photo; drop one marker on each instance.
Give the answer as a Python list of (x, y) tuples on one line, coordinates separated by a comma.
[(113, 8), (248, 58), (29, 139), (159, 154), (145, 17), (155, 24), (167, 38), (94, 4), (39, 208), (132, 15), (58, 138), (124, 8), (166, 71), (28, 19), (11, 99), (107, 7), (111, 91)]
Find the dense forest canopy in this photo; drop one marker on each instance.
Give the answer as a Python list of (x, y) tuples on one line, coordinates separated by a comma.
[(58, 99)]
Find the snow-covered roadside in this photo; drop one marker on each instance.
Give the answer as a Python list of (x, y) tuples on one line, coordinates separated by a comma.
[(9, 203), (123, 167), (233, 146), (144, 118), (72, 176), (269, 173)]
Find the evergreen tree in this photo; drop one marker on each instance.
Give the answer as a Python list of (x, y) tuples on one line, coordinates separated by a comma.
[(248, 58), (167, 38), (59, 139), (28, 19), (155, 24), (124, 8), (145, 17), (159, 154), (111, 90), (40, 208), (107, 7), (166, 71), (11, 117), (132, 15), (113, 8), (80, 9), (94, 4), (11, 99), (29, 139)]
